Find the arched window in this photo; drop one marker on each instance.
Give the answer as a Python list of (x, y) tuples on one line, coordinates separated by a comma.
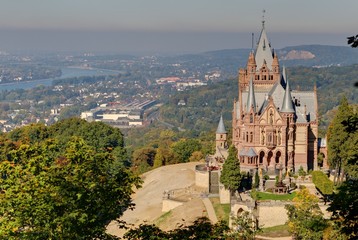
[(278, 157), (262, 155)]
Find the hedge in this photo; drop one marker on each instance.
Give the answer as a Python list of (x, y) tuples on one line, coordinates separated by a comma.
[(322, 182)]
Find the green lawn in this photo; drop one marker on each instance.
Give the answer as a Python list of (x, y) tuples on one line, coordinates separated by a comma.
[(276, 231), (222, 210), (271, 196)]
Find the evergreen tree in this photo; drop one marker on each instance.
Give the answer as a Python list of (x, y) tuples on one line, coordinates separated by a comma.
[(231, 176), (337, 138)]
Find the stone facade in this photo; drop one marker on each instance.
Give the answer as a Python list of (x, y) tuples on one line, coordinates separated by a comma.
[(273, 127)]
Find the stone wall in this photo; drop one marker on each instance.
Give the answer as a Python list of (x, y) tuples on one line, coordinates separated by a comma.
[(270, 216), (202, 176)]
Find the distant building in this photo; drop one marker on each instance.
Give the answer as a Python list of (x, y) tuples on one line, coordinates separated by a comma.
[(117, 115), (181, 103)]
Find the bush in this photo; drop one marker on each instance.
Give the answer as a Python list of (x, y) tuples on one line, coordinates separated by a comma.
[(322, 182)]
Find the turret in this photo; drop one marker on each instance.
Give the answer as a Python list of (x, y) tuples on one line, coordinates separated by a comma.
[(251, 102), (251, 64), (287, 104), (221, 134)]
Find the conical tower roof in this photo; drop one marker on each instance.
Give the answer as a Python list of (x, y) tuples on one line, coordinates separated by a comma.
[(251, 97), (263, 50), (221, 127), (287, 104)]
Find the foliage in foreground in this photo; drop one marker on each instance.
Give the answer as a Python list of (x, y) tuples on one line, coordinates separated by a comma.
[(201, 228), (56, 190), (344, 208), (305, 219)]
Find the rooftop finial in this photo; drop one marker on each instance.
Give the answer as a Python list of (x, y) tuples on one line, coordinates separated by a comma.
[(263, 18), (252, 42)]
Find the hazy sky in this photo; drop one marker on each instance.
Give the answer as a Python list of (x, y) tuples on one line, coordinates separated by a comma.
[(171, 26)]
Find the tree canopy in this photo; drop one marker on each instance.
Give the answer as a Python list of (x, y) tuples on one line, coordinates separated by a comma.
[(102, 137), (340, 139), (52, 189), (305, 219), (353, 41)]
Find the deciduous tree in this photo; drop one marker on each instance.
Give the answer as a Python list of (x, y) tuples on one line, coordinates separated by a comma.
[(51, 191), (305, 219)]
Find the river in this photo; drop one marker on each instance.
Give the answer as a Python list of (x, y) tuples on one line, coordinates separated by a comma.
[(67, 72)]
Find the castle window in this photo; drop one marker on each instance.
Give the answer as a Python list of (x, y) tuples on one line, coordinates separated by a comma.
[(251, 137), (257, 77), (269, 137), (279, 137), (264, 77), (251, 118), (271, 77), (247, 136)]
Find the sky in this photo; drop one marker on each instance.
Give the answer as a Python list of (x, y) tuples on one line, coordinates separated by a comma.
[(166, 26)]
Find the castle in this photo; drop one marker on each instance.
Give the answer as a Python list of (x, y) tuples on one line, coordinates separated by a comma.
[(273, 127)]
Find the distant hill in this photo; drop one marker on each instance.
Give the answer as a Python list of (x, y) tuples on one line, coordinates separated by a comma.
[(304, 55), (318, 55)]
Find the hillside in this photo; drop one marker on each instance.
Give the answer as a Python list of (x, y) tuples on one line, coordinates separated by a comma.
[(229, 60), (204, 105), (148, 199)]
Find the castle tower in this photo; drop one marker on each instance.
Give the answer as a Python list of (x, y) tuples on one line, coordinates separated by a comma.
[(288, 111), (221, 134)]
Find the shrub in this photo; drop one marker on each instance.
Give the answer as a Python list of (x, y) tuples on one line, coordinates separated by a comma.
[(322, 182)]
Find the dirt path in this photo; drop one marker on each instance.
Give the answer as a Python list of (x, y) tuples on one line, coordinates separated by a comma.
[(148, 199)]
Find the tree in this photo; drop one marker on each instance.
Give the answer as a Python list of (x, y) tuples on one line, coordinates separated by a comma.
[(159, 158), (337, 137), (344, 208), (230, 175), (344, 204), (51, 191), (244, 227), (196, 156), (202, 228), (305, 219), (144, 155), (353, 41), (184, 148)]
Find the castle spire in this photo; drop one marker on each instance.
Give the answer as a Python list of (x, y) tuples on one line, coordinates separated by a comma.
[(251, 97), (287, 105), (221, 127), (263, 50)]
